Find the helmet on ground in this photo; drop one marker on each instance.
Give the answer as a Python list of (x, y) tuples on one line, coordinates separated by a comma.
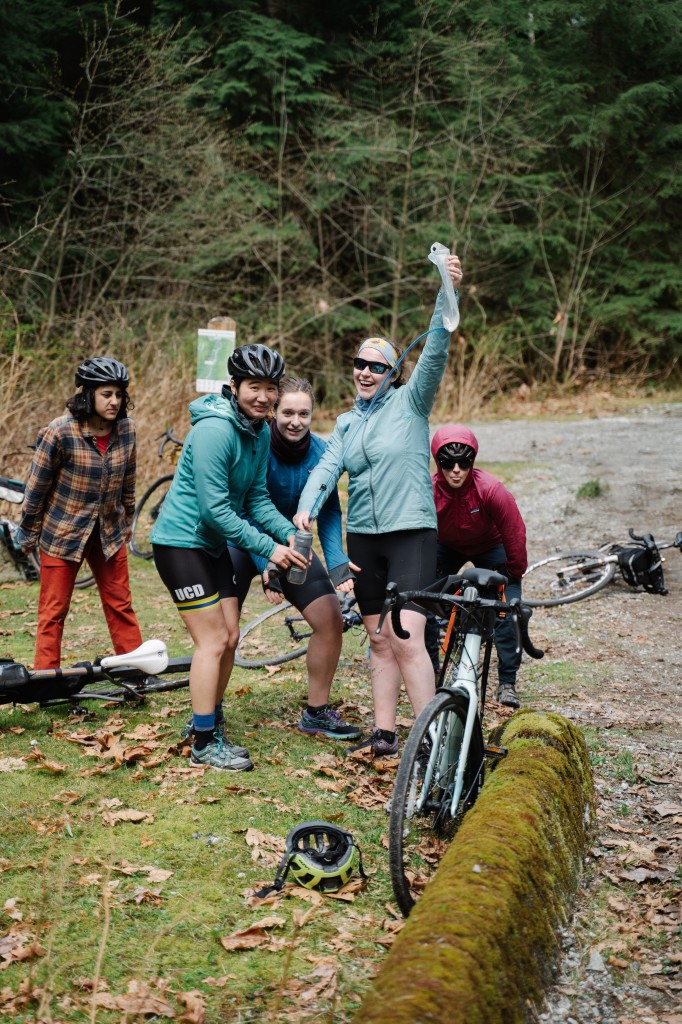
[(320, 856), (455, 452), (255, 361), (102, 370)]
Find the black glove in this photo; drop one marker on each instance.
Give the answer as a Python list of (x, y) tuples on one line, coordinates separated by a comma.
[(273, 572), (340, 573)]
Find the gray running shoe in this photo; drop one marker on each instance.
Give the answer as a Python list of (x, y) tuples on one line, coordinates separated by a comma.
[(217, 754), (188, 732), (329, 723), (380, 746), (507, 695)]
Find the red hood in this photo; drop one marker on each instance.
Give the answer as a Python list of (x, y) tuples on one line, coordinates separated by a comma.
[(453, 432)]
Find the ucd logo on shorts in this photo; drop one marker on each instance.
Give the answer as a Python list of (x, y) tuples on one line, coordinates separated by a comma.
[(189, 593)]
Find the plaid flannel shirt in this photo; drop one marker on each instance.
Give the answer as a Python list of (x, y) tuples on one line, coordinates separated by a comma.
[(72, 488)]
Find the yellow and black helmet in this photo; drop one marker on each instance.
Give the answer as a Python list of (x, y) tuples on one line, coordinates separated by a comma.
[(319, 856)]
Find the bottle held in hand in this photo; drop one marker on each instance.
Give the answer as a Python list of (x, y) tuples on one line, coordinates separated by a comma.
[(303, 542)]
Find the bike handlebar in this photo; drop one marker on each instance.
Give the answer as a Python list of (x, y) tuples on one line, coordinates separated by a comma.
[(168, 438), (395, 602)]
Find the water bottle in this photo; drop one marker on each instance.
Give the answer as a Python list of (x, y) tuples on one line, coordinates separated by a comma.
[(303, 542), (439, 256)]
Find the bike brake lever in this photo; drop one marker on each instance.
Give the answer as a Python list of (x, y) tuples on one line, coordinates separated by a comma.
[(524, 613), (389, 603)]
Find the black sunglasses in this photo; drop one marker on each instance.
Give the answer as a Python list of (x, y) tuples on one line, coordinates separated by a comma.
[(371, 365), (450, 461)]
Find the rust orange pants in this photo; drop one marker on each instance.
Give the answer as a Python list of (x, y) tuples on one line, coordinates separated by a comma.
[(57, 578)]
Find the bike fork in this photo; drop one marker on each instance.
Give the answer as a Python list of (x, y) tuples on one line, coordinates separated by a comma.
[(467, 680)]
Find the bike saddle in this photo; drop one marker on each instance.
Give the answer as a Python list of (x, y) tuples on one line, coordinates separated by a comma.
[(485, 577)]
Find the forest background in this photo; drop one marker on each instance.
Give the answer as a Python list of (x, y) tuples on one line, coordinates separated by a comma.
[(289, 164)]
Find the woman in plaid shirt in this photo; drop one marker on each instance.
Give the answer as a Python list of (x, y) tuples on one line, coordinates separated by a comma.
[(79, 504)]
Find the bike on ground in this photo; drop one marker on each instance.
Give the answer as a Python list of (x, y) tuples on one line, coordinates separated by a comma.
[(442, 766), (281, 634), (570, 576), (25, 563), (118, 678)]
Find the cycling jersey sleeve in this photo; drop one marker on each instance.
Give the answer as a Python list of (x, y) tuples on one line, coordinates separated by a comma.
[(327, 472), (423, 383)]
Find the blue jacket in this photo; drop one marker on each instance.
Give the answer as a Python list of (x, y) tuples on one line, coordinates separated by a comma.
[(286, 480), (220, 473), (387, 456)]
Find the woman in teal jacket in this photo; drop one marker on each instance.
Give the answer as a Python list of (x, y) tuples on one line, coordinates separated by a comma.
[(219, 480), (391, 524)]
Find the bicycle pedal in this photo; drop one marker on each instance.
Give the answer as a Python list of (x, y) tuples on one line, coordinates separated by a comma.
[(495, 753)]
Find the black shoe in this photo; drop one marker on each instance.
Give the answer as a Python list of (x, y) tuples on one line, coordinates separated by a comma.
[(507, 695)]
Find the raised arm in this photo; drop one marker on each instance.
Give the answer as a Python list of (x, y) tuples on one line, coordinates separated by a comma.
[(428, 373)]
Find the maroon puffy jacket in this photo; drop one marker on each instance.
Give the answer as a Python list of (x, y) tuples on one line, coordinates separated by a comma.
[(480, 514)]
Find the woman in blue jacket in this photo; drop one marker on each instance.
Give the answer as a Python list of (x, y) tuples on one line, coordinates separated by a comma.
[(294, 452), (391, 525), (219, 485)]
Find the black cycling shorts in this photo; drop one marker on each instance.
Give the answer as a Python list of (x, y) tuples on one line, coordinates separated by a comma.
[(406, 557), (195, 578), (300, 595)]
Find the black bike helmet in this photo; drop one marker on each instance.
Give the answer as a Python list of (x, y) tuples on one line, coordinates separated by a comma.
[(101, 370), (456, 451), (255, 361), (319, 856)]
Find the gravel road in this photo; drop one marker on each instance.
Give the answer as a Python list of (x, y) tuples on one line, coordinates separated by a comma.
[(614, 666)]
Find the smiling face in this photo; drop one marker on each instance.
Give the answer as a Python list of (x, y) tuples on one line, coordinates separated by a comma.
[(366, 380), (256, 397), (293, 415), (107, 400)]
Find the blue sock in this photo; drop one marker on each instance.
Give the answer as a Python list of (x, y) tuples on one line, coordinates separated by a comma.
[(204, 726), (202, 723), (219, 714)]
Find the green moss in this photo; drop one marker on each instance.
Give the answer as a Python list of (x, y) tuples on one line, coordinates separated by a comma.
[(481, 942)]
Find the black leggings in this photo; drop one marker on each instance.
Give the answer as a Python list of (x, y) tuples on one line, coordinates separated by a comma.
[(406, 557), (300, 595)]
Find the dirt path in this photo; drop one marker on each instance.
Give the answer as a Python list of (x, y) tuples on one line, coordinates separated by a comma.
[(614, 666)]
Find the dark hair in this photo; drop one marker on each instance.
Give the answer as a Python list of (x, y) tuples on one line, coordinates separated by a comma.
[(82, 404), (296, 385)]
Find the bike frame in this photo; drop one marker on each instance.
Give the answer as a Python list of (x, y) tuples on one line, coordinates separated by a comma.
[(466, 682)]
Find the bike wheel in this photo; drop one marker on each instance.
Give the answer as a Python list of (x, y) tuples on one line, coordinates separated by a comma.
[(422, 822), (84, 578), (273, 638), (567, 577), (146, 514)]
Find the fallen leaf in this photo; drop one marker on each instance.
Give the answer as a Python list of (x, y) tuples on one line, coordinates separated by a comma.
[(665, 810), (196, 1007), (113, 818), (253, 936), (12, 764)]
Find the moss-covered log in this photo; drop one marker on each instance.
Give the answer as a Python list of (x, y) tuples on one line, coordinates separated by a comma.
[(480, 944)]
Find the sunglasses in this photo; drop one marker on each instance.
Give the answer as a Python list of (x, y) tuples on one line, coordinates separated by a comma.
[(449, 462), (371, 365)]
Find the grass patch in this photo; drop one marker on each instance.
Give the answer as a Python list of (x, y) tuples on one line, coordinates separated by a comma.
[(89, 892), (592, 489)]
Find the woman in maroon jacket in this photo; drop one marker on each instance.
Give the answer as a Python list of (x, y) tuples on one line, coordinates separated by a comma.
[(479, 521)]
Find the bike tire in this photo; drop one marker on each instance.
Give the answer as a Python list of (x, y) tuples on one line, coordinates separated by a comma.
[(548, 583), (83, 580), (418, 839), (146, 514), (269, 632)]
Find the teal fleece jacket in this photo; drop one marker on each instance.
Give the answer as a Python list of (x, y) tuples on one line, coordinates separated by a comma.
[(221, 473), (387, 458)]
